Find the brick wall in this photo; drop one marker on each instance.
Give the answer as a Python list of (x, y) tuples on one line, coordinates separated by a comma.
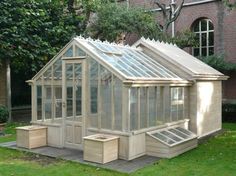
[(3, 89), (224, 22)]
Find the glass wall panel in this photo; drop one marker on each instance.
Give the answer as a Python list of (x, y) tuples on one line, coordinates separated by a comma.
[(93, 70), (69, 90), (152, 106), (79, 52), (159, 102), (177, 103), (39, 102), (93, 83), (69, 52), (143, 107), (57, 67), (117, 103), (106, 87), (78, 88), (48, 102), (58, 102), (133, 108)]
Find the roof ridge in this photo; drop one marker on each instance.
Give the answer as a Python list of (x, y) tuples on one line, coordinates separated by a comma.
[(158, 41), (103, 42)]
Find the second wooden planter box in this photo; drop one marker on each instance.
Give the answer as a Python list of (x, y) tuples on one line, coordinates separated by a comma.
[(101, 148)]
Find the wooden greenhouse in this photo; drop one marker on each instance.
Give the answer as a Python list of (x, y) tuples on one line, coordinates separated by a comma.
[(156, 98)]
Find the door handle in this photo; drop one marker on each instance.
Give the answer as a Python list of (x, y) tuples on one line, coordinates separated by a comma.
[(63, 104)]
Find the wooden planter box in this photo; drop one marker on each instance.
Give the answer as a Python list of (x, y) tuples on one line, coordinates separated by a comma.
[(100, 148), (31, 136)]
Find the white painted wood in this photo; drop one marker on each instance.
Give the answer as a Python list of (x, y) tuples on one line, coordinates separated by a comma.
[(74, 126), (31, 136), (100, 148)]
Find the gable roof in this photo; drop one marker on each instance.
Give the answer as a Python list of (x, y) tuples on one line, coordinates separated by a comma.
[(183, 60), (128, 63)]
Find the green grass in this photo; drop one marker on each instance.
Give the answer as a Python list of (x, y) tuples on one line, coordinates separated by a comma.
[(216, 157)]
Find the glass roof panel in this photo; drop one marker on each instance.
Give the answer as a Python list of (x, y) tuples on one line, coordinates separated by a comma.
[(173, 136), (163, 138), (131, 61)]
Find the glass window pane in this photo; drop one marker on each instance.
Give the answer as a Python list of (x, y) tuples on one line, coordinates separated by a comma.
[(211, 27), (106, 86), (196, 27), (204, 52), (152, 106), (211, 38), (196, 51), (93, 71), (178, 133), (134, 108), (39, 102), (58, 102), (69, 105), (79, 52), (159, 99), (78, 88), (57, 66), (69, 90), (203, 25), (48, 103), (211, 51), (163, 138), (184, 131), (171, 136), (118, 103), (69, 52), (204, 39), (143, 107), (48, 74)]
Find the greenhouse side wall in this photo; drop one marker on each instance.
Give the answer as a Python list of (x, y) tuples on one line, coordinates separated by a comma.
[(205, 107)]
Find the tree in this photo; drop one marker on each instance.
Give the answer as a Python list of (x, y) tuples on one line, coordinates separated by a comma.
[(231, 4), (169, 13), (31, 32), (113, 20)]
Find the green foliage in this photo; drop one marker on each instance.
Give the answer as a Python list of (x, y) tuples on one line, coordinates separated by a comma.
[(32, 31), (230, 4), (4, 114), (229, 112), (214, 157), (218, 62), (184, 39), (112, 20)]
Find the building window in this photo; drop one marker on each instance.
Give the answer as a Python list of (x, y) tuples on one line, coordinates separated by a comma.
[(204, 30)]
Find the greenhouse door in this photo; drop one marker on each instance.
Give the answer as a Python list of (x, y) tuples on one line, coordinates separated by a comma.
[(72, 99)]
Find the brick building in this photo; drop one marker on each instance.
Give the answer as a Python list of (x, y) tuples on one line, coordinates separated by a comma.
[(215, 27), (3, 89)]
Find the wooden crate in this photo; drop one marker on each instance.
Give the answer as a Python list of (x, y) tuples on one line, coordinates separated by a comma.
[(101, 148), (31, 136)]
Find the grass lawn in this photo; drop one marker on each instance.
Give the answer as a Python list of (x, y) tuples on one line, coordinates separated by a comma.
[(216, 157)]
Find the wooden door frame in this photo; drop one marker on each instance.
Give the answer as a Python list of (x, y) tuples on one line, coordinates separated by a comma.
[(83, 98)]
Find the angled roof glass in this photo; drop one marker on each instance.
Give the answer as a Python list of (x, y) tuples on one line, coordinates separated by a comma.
[(173, 136), (130, 61)]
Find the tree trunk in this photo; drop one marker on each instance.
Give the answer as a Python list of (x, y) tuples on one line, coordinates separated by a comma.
[(9, 88)]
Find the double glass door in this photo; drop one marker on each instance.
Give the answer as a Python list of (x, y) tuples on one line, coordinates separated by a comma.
[(72, 102)]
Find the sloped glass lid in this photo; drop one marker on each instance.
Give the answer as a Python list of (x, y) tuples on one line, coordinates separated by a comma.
[(172, 136)]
